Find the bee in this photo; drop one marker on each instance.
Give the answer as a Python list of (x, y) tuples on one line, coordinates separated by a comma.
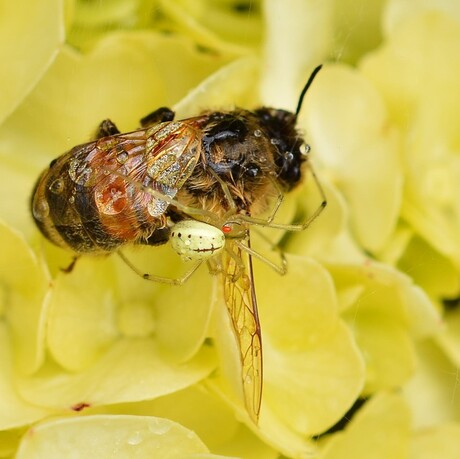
[(200, 182)]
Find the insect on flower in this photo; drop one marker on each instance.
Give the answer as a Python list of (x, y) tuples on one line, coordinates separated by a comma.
[(200, 183)]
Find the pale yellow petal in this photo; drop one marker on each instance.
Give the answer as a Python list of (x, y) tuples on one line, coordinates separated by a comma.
[(131, 370), (127, 76), (362, 155), (271, 428), (25, 287), (183, 315), (439, 442), (311, 390), (14, 410), (390, 293), (82, 321), (178, 316), (297, 310), (9, 440), (18, 179), (317, 239), (387, 349), (214, 26), (389, 313), (380, 430), (422, 98), (397, 11), (357, 28), (449, 338), (199, 409), (232, 85), (432, 393), (430, 269), (110, 436), (298, 37), (30, 36)]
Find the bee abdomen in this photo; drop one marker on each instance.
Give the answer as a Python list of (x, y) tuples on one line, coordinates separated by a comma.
[(86, 219)]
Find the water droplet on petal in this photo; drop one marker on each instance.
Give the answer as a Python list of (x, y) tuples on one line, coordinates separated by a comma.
[(135, 439), (160, 429)]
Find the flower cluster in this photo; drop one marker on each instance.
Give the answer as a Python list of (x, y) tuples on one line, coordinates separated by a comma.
[(361, 337)]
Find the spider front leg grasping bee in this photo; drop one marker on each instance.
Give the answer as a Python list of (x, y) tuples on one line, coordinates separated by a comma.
[(200, 183)]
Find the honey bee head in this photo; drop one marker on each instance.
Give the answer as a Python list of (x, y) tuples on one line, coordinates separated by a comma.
[(280, 128)]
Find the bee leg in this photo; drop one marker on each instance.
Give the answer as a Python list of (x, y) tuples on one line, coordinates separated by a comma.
[(106, 129), (160, 115), (68, 269)]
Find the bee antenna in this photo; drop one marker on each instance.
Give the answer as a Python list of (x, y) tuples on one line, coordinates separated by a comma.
[(305, 89)]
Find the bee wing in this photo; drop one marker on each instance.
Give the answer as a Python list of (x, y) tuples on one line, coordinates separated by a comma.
[(240, 298), (120, 173), (161, 158), (172, 153), (110, 183)]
